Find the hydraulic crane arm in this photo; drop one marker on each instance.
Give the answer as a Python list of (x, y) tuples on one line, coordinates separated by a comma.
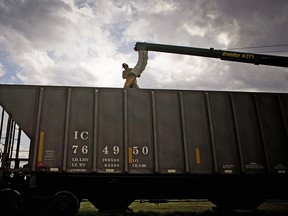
[(253, 58)]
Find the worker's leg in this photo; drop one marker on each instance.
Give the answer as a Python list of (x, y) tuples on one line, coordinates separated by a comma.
[(135, 85), (129, 80)]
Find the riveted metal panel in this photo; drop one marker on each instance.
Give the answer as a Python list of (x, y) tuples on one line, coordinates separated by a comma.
[(274, 133), (284, 110), (52, 128), (105, 130), (169, 132), (110, 136), (224, 133), (21, 102), (80, 135), (249, 133), (140, 132), (197, 132), (284, 99)]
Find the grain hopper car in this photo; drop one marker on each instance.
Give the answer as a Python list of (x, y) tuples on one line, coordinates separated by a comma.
[(113, 146)]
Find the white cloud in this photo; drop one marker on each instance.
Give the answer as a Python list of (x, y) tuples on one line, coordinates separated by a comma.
[(195, 30), (85, 42), (223, 39), (2, 70)]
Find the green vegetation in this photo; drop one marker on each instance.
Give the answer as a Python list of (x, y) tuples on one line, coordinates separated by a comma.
[(192, 208)]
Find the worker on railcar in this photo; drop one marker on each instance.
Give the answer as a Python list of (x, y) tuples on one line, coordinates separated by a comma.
[(131, 79), (131, 74)]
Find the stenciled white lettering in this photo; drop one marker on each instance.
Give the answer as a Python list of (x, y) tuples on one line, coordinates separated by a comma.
[(83, 135)]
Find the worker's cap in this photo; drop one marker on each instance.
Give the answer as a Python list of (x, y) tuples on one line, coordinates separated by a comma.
[(124, 64)]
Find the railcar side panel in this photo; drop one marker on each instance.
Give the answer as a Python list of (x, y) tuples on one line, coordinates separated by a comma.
[(169, 140), (197, 133), (109, 131), (222, 120), (284, 108), (21, 103), (51, 130), (80, 146), (273, 132), (249, 136), (139, 131)]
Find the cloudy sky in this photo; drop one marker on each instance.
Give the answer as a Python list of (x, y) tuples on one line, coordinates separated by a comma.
[(84, 42)]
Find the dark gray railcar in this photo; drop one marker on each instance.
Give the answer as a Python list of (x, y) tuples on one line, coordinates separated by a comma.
[(113, 146)]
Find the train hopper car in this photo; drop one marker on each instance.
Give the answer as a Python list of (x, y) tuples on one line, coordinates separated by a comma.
[(113, 146)]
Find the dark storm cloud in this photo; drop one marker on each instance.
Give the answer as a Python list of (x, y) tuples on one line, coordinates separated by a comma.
[(261, 22)]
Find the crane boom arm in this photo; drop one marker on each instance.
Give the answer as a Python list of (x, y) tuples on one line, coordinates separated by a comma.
[(253, 58)]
